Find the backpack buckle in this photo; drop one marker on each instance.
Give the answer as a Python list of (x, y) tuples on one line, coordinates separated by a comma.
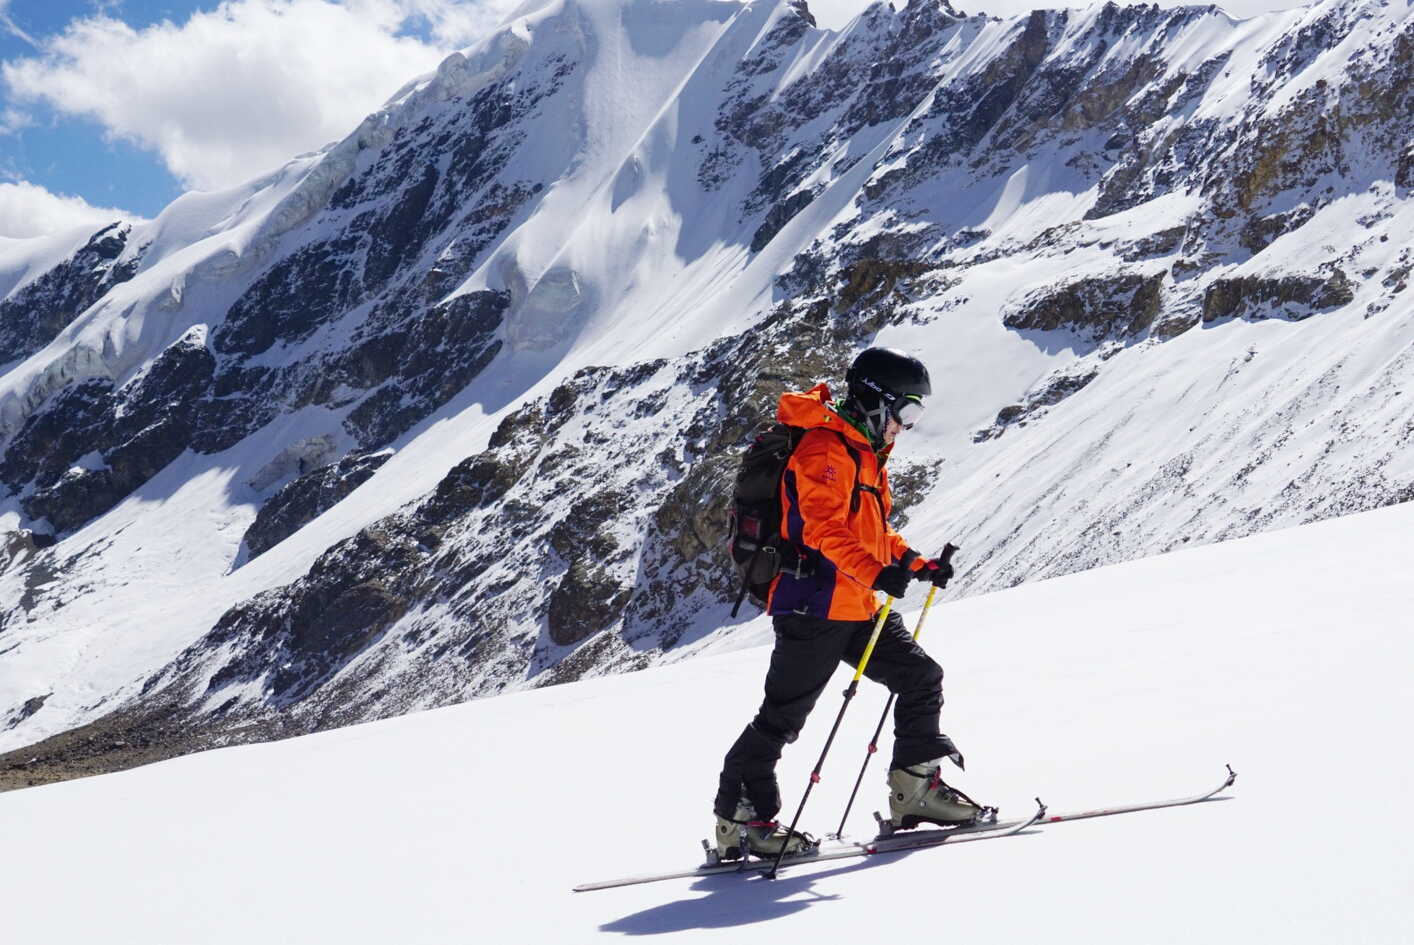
[(800, 570)]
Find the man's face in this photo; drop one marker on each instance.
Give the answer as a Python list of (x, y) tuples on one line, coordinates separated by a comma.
[(891, 430)]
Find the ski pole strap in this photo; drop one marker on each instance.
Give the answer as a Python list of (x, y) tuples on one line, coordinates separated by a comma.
[(869, 650)]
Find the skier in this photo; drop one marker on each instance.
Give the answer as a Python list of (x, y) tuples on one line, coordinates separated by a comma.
[(835, 506)]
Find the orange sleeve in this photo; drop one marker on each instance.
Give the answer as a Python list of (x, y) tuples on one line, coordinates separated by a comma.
[(819, 480), (898, 547)]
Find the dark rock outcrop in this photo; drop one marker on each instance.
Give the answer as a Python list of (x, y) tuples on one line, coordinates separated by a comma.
[(586, 600), (1293, 296), (779, 216), (1261, 232), (20, 546), (306, 498), (87, 453), (297, 638), (1050, 392), (35, 315), (1104, 307)]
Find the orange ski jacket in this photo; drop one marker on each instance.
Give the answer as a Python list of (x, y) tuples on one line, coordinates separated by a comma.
[(835, 503)]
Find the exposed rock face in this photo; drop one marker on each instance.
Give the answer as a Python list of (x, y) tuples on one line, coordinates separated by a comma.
[(1047, 394), (1404, 173), (1125, 304), (317, 627), (29, 708), (306, 498), (94, 445), (1291, 296), (1261, 232), (588, 599), (779, 216), (35, 315), (18, 547), (873, 280)]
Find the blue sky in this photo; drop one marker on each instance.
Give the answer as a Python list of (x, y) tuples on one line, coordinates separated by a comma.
[(112, 107), (69, 154)]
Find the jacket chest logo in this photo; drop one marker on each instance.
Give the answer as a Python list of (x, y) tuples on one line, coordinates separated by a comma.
[(831, 475)]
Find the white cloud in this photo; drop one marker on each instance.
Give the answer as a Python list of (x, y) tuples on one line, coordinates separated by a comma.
[(13, 120), (457, 23), (11, 27), (29, 210), (238, 90)]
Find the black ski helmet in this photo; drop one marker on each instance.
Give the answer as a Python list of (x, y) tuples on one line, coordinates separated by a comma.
[(880, 380)]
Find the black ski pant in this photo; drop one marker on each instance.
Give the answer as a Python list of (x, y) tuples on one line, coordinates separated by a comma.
[(807, 651)]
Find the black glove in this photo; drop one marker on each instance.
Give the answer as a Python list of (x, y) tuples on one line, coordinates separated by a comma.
[(936, 571), (892, 580)]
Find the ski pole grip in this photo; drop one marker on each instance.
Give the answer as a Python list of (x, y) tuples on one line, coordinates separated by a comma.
[(948, 551)]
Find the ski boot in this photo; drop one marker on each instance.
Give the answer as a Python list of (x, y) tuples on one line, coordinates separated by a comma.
[(919, 795), (762, 838)]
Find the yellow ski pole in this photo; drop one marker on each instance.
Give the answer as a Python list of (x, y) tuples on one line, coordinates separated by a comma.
[(948, 551), (848, 695)]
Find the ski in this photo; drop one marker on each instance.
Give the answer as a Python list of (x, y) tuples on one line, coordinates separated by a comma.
[(1149, 805), (886, 831), (838, 850), (901, 841)]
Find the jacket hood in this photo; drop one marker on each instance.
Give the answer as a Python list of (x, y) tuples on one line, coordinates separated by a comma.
[(812, 409)]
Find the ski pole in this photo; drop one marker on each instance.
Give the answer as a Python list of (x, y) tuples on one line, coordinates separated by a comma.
[(848, 695), (948, 551)]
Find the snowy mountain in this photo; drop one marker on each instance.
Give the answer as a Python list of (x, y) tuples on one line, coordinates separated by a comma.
[(449, 408), (1124, 683)]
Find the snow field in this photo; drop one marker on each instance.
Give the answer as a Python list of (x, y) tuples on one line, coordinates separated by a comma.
[(1285, 654)]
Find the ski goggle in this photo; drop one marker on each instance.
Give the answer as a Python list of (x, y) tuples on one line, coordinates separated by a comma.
[(907, 411)]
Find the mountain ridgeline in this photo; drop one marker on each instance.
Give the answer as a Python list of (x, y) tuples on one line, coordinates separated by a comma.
[(618, 231)]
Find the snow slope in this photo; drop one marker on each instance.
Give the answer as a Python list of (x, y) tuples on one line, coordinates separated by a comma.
[(1285, 654)]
